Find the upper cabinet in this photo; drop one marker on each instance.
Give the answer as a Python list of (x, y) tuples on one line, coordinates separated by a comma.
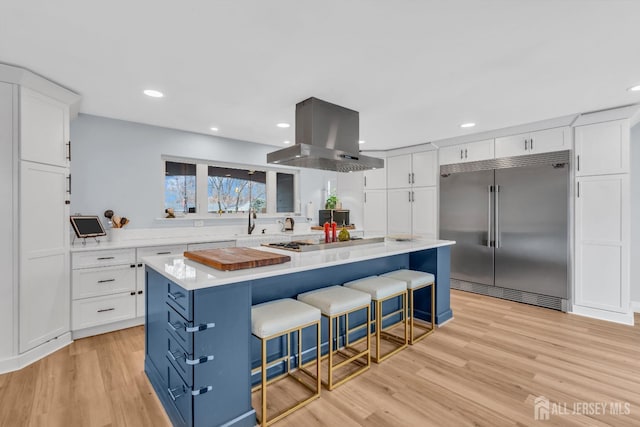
[(412, 170), (375, 179), (44, 129), (470, 152), (543, 141), (602, 148)]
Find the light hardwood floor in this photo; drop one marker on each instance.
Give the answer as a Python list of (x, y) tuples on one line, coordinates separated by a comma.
[(485, 367)]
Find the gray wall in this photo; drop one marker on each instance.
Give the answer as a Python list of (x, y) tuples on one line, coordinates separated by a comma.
[(635, 214), (117, 165)]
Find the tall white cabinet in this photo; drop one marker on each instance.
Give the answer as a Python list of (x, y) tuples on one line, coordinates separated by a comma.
[(412, 198), (34, 118), (602, 220), (375, 202)]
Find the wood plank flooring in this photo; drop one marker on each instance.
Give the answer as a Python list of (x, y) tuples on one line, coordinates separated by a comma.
[(486, 367)]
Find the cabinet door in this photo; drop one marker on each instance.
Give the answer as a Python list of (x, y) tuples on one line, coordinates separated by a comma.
[(375, 212), (602, 243), (45, 290), (548, 140), (451, 154), (44, 129), (425, 212), (375, 179), (399, 171), (514, 145), (7, 219), (481, 150), (425, 169), (602, 148), (399, 211)]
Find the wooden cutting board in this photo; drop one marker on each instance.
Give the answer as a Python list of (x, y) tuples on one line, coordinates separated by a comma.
[(228, 259)]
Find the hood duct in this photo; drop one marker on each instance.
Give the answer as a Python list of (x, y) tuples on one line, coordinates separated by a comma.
[(326, 138)]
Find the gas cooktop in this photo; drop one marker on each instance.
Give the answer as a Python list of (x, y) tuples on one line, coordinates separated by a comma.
[(306, 246), (291, 246)]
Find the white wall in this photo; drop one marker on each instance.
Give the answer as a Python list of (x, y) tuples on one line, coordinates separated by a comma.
[(7, 256), (117, 165), (635, 215)]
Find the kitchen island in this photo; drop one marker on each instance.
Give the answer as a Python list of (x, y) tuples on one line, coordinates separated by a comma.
[(199, 348)]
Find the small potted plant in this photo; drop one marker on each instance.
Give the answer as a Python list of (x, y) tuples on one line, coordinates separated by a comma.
[(331, 202)]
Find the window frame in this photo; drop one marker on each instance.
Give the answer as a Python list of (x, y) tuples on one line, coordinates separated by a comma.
[(202, 197)]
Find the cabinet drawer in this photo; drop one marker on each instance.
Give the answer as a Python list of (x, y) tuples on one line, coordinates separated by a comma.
[(184, 361), (102, 310), (103, 258), (180, 299), (180, 395), (160, 250), (211, 245), (177, 328), (92, 282)]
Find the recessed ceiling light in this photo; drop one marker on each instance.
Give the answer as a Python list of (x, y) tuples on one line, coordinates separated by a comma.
[(467, 125), (215, 129), (635, 88), (283, 125), (361, 142), (297, 155), (153, 93), (286, 142)]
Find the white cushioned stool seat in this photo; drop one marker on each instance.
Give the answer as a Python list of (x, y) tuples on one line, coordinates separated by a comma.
[(414, 279), (335, 299), (273, 317), (378, 287)]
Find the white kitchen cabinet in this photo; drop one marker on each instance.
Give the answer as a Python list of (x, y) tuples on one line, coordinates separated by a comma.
[(375, 212), (44, 129), (399, 211), (602, 148), (543, 141), (94, 282), (211, 245), (140, 281), (424, 217), (98, 311), (375, 179), (412, 170), (469, 152), (602, 242)]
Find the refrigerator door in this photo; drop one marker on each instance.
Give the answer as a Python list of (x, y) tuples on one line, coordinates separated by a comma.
[(466, 217), (531, 229)]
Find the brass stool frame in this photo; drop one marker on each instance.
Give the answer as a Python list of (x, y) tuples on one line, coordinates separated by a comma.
[(353, 357), (428, 331), (381, 332), (263, 419)]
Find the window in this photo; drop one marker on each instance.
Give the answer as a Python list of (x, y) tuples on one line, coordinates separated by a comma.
[(180, 186), (234, 190), (202, 187)]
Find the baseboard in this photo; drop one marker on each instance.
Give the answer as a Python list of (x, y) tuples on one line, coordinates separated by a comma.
[(635, 306), (624, 318), (110, 327), (21, 360)]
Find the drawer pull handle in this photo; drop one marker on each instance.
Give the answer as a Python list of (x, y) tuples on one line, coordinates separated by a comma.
[(106, 280), (177, 355), (105, 309), (176, 326), (201, 327), (163, 253), (173, 390), (102, 258), (139, 292), (199, 360), (175, 296), (202, 390)]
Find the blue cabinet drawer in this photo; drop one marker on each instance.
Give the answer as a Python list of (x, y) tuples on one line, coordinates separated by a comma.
[(180, 395), (180, 299), (185, 362), (177, 328)]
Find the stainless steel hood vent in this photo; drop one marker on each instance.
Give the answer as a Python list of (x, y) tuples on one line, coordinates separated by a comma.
[(326, 138)]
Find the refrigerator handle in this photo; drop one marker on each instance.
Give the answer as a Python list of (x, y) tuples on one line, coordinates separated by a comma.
[(490, 190), (497, 213)]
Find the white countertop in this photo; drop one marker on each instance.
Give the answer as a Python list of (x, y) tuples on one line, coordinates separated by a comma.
[(192, 275)]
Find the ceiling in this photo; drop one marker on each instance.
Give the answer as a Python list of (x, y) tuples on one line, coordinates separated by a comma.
[(415, 70)]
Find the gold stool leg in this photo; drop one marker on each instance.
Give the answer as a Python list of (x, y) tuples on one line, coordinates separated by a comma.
[(264, 382)]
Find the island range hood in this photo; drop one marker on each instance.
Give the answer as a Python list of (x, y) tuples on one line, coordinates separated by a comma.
[(326, 138)]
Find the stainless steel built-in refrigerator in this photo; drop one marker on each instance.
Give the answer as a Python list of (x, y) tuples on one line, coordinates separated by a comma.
[(509, 218)]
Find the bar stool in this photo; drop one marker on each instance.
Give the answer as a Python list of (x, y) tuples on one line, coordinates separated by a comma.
[(416, 280), (275, 319), (336, 302), (384, 289)]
